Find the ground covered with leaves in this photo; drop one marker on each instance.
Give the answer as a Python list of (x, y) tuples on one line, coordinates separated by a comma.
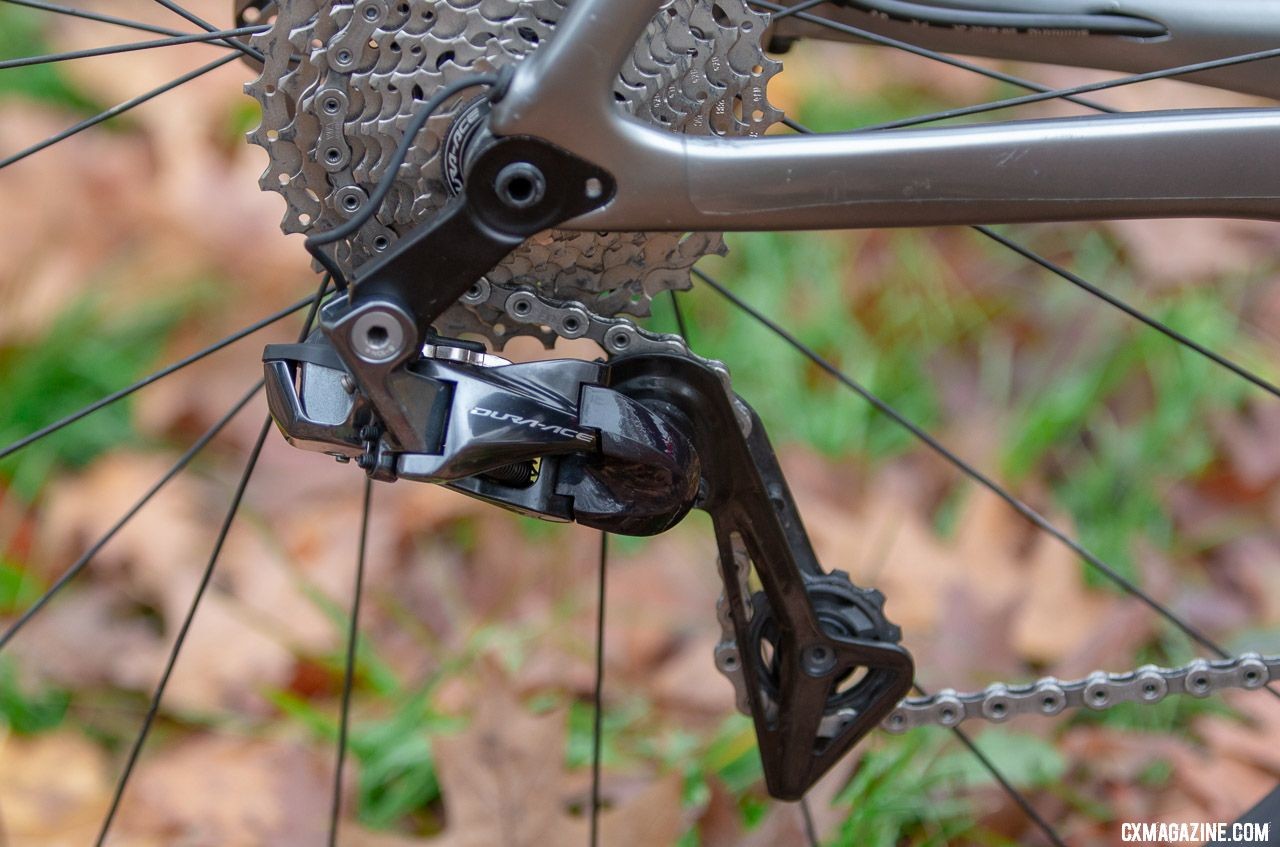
[(141, 241)]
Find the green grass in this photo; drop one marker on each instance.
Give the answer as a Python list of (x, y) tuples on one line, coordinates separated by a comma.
[(21, 35), (905, 790), (1122, 421), (395, 752), (795, 279), (26, 709), (1113, 422), (83, 357), (18, 588)]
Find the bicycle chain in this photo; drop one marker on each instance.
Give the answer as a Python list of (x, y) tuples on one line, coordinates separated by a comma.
[(1098, 691), (615, 335), (1048, 696)]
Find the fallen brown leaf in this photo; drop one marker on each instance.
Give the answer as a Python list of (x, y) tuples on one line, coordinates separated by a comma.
[(54, 789), (502, 784), (231, 792)]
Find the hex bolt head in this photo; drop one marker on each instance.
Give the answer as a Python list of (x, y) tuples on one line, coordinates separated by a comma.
[(520, 185), (377, 336)]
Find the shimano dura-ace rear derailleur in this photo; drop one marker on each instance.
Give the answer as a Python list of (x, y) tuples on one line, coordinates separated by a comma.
[(627, 446)]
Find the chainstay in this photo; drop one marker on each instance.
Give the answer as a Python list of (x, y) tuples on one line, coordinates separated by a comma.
[(1099, 691)]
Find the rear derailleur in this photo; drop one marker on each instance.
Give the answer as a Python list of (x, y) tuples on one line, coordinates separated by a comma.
[(626, 446)]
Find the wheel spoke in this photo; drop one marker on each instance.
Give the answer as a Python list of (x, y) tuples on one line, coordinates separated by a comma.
[(118, 109), (1067, 93), (679, 313), (1024, 510), (806, 815), (95, 548), (794, 125), (155, 377), (1131, 311), (1014, 794), (886, 41), (796, 9), (205, 578), (95, 16), (348, 675), (597, 725), (154, 707), (113, 49), (208, 27)]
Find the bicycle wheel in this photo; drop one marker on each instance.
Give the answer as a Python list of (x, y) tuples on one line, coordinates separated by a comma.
[(468, 611)]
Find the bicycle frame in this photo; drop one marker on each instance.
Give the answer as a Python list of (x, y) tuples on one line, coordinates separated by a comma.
[(1197, 31), (1194, 163)]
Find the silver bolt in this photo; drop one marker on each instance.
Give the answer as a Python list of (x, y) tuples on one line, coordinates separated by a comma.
[(377, 336)]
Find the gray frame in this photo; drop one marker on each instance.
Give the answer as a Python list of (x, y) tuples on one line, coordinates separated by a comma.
[(1193, 163), (1199, 31)]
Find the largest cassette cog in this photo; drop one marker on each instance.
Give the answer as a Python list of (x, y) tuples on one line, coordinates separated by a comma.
[(342, 79)]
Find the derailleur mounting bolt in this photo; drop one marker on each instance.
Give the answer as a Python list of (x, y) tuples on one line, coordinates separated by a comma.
[(520, 185), (377, 336)]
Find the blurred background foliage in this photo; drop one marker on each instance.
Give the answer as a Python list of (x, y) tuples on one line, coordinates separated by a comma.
[(1163, 464)]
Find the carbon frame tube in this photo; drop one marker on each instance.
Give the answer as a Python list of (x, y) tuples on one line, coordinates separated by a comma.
[(1210, 163), (1197, 31)]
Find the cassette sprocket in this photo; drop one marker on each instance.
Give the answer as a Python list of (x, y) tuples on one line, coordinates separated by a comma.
[(343, 78)]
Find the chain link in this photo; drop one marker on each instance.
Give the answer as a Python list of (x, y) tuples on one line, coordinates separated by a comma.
[(616, 335), (1098, 691)]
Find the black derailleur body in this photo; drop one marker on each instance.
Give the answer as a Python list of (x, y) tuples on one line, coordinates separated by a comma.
[(627, 446), (545, 439)]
